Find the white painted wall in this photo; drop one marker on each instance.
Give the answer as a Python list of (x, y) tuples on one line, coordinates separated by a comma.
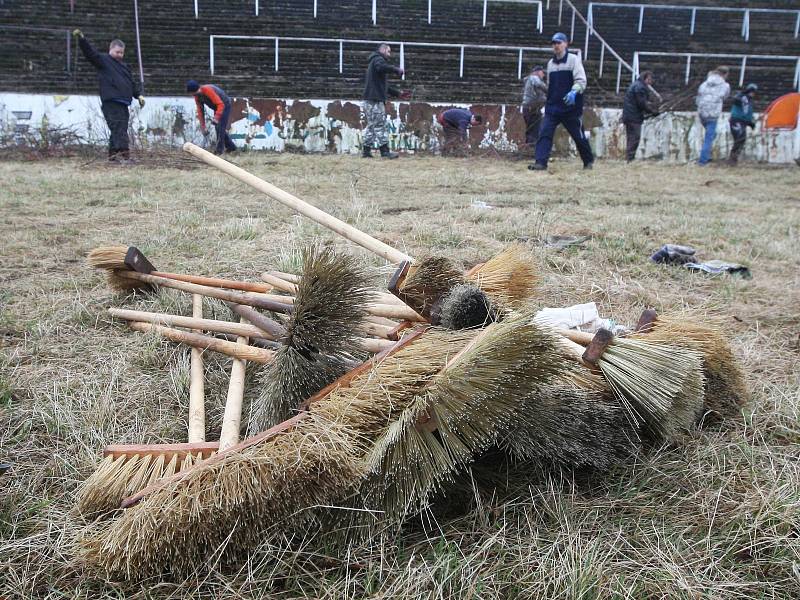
[(171, 120)]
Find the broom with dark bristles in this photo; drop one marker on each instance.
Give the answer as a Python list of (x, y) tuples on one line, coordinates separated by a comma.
[(661, 386), (725, 384), (320, 339)]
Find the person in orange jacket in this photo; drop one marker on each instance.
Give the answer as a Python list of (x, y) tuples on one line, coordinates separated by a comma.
[(216, 99)]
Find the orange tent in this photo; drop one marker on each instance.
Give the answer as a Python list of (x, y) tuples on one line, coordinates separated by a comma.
[(782, 113)]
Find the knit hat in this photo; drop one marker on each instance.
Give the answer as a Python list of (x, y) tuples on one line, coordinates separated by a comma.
[(192, 86), (751, 87), (537, 68), (559, 37)]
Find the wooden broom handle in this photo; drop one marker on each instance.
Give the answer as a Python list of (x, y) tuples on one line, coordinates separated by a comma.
[(259, 355), (278, 280), (304, 208), (271, 302), (232, 419), (197, 408), (231, 284)]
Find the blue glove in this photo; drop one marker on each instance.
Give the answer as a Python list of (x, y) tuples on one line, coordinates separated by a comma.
[(569, 99)]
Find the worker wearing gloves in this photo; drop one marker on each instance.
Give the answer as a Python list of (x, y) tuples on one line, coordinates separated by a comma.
[(636, 107), (216, 99), (566, 82), (741, 119), (117, 89)]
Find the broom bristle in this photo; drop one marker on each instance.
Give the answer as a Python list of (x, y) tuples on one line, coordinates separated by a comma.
[(429, 280), (117, 478), (321, 335), (472, 402), (725, 384), (653, 382), (466, 306), (563, 426), (108, 257), (510, 277), (231, 506)]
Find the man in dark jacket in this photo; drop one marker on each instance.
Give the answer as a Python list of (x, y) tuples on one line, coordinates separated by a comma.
[(534, 96), (566, 82), (741, 119), (216, 99), (117, 89), (636, 107), (376, 92), (456, 122)]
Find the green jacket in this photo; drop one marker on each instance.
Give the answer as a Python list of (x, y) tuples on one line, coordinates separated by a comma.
[(742, 109)]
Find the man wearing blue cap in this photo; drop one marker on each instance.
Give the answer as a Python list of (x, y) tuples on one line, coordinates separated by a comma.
[(566, 82)]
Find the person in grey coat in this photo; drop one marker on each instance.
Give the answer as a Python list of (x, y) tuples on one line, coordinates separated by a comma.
[(709, 100), (534, 96)]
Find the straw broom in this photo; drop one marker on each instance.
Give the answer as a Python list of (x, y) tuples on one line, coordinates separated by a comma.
[(725, 384), (661, 386), (315, 458)]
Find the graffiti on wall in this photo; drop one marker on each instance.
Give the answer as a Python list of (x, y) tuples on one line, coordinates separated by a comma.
[(335, 126)]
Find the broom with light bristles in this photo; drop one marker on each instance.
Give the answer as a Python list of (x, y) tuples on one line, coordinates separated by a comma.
[(725, 384)]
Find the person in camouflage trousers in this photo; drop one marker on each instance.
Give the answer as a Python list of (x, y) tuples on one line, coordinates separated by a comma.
[(376, 92)]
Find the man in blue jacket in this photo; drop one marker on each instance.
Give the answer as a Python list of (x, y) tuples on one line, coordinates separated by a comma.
[(741, 119), (566, 82), (117, 89), (456, 122), (376, 92)]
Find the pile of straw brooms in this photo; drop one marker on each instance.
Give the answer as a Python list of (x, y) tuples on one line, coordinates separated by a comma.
[(372, 405)]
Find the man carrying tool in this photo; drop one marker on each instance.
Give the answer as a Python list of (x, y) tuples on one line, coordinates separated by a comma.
[(117, 89), (636, 107), (376, 92), (534, 95), (741, 119), (566, 82), (215, 98), (456, 122)]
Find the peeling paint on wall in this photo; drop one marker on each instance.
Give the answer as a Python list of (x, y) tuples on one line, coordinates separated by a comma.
[(335, 126)]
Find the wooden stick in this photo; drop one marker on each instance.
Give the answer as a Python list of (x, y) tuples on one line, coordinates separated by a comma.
[(205, 342), (279, 284), (245, 286), (290, 277), (197, 409), (271, 328), (287, 425), (232, 419), (304, 208), (271, 302), (277, 280)]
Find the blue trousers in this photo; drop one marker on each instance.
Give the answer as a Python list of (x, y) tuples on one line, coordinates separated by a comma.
[(224, 141), (708, 141), (574, 126)]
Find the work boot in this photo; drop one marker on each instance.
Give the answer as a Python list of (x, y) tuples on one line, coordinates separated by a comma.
[(537, 167), (386, 153), (366, 152), (588, 166)]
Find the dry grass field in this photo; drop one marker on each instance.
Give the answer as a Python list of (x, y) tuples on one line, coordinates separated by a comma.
[(715, 517)]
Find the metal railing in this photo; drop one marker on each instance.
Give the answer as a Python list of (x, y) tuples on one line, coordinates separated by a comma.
[(604, 46), (402, 45), (694, 9), (742, 57), (374, 12)]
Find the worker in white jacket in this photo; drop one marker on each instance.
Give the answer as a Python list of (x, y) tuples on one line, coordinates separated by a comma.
[(709, 107)]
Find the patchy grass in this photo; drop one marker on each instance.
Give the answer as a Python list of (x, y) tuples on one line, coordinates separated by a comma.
[(716, 517)]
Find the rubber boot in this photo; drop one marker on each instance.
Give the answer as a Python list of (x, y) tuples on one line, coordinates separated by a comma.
[(366, 152), (386, 153)]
